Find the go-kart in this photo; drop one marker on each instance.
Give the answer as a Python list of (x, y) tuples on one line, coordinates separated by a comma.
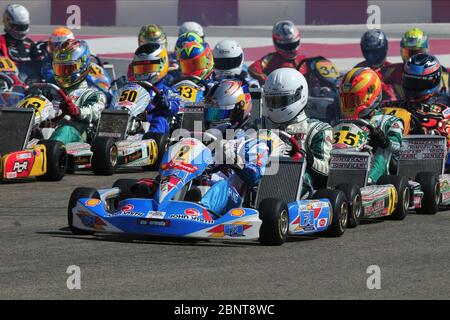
[(46, 160), (391, 195), (275, 212), (121, 138)]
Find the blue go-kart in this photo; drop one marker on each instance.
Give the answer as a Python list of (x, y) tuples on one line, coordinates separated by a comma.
[(269, 212)]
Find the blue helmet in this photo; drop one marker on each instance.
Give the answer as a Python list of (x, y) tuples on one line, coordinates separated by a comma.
[(421, 76), (374, 46)]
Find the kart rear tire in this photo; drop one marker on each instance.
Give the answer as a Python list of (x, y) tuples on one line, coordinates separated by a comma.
[(339, 211), (161, 141), (355, 211), (274, 229), (104, 156), (125, 186), (77, 194), (403, 195), (56, 155), (429, 184)]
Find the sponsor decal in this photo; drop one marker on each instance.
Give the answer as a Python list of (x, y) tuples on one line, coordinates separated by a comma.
[(196, 219), (231, 230), (153, 222), (92, 202), (11, 175), (377, 206), (22, 156), (192, 212), (323, 222), (156, 214), (186, 167), (127, 208), (91, 221), (168, 183), (20, 167), (237, 212)]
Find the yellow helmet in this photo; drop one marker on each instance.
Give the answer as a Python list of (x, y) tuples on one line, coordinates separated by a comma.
[(414, 41), (150, 63)]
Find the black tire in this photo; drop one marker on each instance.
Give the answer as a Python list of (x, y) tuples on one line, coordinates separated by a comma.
[(403, 195), (429, 184), (275, 222), (79, 193), (193, 195), (339, 210), (56, 155), (162, 141), (355, 211), (104, 156), (125, 186)]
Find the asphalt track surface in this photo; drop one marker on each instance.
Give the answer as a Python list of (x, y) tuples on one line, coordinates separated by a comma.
[(37, 248)]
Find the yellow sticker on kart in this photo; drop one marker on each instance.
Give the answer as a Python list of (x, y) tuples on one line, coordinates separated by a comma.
[(347, 134), (7, 66), (402, 114), (188, 93), (37, 103), (327, 69)]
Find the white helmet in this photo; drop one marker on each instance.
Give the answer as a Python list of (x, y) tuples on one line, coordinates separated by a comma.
[(285, 94), (228, 58), (191, 26), (16, 21)]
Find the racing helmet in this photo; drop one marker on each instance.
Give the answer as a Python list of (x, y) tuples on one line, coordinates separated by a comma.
[(58, 36), (228, 58), (196, 59), (414, 41), (421, 76), (152, 33), (185, 38), (227, 102), (191, 26), (16, 20), (286, 39), (285, 94), (374, 46), (71, 62), (360, 93), (150, 62)]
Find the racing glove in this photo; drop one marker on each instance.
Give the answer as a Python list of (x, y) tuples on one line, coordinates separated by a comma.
[(379, 139), (226, 154), (160, 101), (70, 108)]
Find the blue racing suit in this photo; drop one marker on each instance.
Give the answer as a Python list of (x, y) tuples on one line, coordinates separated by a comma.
[(227, 189), (157, 116)]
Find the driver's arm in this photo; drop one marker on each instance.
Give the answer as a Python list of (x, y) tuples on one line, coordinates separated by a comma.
[(256, 159), (321, 146)]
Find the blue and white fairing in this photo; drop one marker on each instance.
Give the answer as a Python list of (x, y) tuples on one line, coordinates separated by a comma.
[(163, 216)]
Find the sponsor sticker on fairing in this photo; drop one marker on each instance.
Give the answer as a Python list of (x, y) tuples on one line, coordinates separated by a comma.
[(92, 202), (322, 222), (156, 214)]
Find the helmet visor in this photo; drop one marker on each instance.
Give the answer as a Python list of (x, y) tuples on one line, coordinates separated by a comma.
[(409, 52), (417, 84), (214, 115), (19, 27), (146, 67), (66, 69), (228, 63), (288, 46), (277, 101)]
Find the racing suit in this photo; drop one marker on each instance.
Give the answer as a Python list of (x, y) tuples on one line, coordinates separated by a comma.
[(90, 103), (316, 139), (18, 51), (157, 115), (261, 68), (392, 128), (387, 88), (252, 152)]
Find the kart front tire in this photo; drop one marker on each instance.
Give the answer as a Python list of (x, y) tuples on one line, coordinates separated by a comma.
[(355, 211), (429, 184), (339, 210), (403, 193), (77, 194), (125, 186), (161, 141), (104, 156), (56, 156), (275, 222)]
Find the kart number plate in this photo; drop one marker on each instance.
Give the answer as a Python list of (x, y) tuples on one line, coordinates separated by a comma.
[(188, 93)]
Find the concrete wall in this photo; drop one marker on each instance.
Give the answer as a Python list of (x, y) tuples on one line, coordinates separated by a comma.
[(138, 13), (399, 11), (263, 12)]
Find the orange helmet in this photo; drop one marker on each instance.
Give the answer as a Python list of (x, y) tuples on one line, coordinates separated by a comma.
[(360, 93), (58, 36)]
